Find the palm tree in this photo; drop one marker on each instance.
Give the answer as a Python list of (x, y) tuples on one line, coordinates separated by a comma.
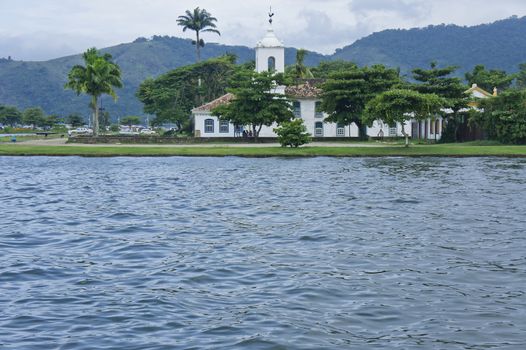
[(99, 76), (300, 70), (198, 21)]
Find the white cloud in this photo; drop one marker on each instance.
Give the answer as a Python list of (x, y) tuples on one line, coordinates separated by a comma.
[(41, 29)]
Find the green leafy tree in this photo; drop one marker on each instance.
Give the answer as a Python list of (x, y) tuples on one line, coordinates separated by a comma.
[(172, 96), (327, 68), (199, 21), (401, 105), (489, 79), (50, 121), (292, 133), (97, 77), (10, 115), (299, 70), (34, 116), (255, 103), (75, 120), (521, 76), (114, 128), (503, 117), (131, 120), (346, 93), (439, 81)]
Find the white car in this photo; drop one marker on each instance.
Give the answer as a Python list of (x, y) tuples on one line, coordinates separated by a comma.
[(147, 132), (80, 131)]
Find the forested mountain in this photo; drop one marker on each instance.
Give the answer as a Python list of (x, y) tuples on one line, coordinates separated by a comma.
[(500, 45), (25, 84)]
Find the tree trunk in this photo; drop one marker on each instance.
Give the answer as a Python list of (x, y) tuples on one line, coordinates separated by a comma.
[(255, 133), (198, 47), (96, 119), (362, 130)]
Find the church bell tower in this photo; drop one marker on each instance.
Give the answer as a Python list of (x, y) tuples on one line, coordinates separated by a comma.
[(270, 51)]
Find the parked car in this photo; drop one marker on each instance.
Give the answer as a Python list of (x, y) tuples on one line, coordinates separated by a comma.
[(147, 132), (80, 131)]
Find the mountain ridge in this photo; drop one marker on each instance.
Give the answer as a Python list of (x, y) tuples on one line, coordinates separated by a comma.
[(498, 45)]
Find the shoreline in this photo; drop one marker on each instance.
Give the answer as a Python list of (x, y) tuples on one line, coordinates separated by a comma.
[(250, 151)]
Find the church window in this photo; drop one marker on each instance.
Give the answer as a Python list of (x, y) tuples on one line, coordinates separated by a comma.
[(318, 111), (271, 64), (340, 129), (224, 127), (393, 130), (318, 129), (296, 105), (209, 126)]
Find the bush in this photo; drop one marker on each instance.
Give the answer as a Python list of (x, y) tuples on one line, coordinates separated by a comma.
[(292, 134), (504, 117)]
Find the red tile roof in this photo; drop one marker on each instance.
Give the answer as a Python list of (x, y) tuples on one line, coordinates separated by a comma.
[(215, 103), (306, 90)]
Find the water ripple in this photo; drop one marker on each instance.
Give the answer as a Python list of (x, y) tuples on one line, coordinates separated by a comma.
[(183, 253)]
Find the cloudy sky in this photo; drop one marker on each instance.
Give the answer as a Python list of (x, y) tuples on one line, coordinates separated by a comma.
[(44, 29)]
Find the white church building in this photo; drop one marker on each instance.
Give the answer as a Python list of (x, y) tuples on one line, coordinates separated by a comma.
[(270, 56)]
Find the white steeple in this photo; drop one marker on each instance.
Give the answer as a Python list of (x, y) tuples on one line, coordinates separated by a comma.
[(270, 51)]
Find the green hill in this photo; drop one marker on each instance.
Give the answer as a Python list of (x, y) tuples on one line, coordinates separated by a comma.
[(25, 84), (500, 45)]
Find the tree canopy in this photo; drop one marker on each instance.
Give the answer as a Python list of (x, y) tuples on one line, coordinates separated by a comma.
[(10, 115), (299, 70), (489, 79), (256, 103), (400, 105), (439, 81), (325, 68), (172, 96), (130, 120), (97, 77), (504, 117), (198, 20), (346, 93)]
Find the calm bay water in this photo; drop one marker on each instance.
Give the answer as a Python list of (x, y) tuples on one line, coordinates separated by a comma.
[(204, 253)]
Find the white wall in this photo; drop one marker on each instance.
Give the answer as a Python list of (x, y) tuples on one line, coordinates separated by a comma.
[(199, 128), (374, 130), (263, 54)]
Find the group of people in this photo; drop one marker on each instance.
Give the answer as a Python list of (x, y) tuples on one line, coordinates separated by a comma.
[(247, 134)]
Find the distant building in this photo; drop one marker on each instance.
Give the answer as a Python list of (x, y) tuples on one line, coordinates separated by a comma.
[(432, 129), (270, 56)]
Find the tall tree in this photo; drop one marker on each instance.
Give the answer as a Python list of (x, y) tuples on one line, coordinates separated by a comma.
[(326, 68), (439, 81), (99, 76), (401, 105), (34, 116), (489, 79), (172, 96), (299, 70), (130, 121), (10, 115), (75, 120), (503, 117), (346, 93), (255, 101), (200, 20)]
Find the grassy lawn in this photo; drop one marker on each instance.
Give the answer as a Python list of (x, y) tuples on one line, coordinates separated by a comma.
[(446, 150)]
